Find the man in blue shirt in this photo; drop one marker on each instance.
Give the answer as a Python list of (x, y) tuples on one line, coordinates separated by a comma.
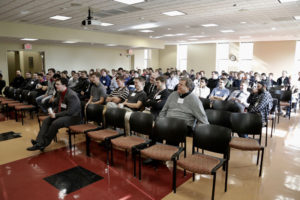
[(220, 92), (105, 80)]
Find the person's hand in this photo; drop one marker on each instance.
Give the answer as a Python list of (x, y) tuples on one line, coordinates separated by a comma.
[(82, 93), (238, 100), (255, 90), (52, 115)]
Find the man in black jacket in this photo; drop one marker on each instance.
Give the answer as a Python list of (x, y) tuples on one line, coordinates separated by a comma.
[(67, 113), (157, 99), (18, 80), (283, 80)]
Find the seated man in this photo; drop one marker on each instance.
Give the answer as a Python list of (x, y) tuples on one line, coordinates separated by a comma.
[(136, 98), (261, 101), (18, 80), (240, 96), (119, 94), (2, 83), (184, 105), (157, 99), (98, 91), (220, 93), (150, 86), (202, 91), (67, 114)]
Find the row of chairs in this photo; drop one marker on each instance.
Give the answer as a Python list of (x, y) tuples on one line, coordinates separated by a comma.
[(166, 140)]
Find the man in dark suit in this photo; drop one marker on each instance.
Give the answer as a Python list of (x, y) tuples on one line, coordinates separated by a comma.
[(150, 86), (283, 80), (157, 99), (67, 114)]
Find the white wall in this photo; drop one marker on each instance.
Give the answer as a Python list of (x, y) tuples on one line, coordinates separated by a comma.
[(138, 59)]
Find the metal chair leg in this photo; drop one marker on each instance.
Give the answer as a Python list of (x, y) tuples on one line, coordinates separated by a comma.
[(140, 166), (214, 184), (258, 152), (174, 175), (226, 175), (70, 139), (261, 161), (87, 143)]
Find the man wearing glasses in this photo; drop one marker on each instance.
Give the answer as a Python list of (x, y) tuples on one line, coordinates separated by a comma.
[(220, 92)]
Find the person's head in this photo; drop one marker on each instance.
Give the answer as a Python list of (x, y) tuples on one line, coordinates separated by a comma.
[(185, 85), (83, 74), (284, 73), (96, 78), (261, 87), (222, 82), (203, 82), (172, 74), (214, 75), (91, 71), (103, 72), (202, 73), (75, 76), (120, 70), (139, 83), (257, 77), (61, 84), (241, 75), (192, 71), (244, 85), (51, 72), (263, 76), (153, 77), (136, 74), (160, 83), (28, 75), (198, 75), (73, 72), (1, 76), (35, 76), (56, 76), (270, 76), (18, 72), (120, 81), (40, 76)]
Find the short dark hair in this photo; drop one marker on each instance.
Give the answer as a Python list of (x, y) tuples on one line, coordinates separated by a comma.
[(161, 79), (189, 83), (141, 79), (56, 76), (215, 72), (120, 77), (1, 75), (51, 69), (205, 79), (40, 74), (63, 81), (97, 74)]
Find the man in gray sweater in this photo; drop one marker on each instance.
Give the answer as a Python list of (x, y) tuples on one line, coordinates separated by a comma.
[(183, 104)]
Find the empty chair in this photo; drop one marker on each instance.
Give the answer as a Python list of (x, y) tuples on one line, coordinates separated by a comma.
[(218, 117), (212, 138), (247, 123), (286, 101), (230, 106), (206, 103), (173, 131), (272, 115), (94, 113), (141, 123), (114, 118), (28, 106)]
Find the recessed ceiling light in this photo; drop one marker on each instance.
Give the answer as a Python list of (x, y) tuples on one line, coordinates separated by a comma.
[(61, 18), (169, 35), (227, 31), (287, 1), (243, 22), (169, 29), (111, 45), (297, 17), (69, 42), (198, 36), (273, 28), (245, 36), (157, 37), (193, 39), (25, 12), (145, 26), (105, 24), (174, 13), (130, 2), (146, 31), (209, 25), (29, 39), (180, 34)]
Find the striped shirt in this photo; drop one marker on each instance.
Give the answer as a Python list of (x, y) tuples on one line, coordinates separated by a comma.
[(122, 93)]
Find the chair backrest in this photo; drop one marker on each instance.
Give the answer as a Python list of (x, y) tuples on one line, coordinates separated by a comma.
[(25, 96), (172, 130), (275, 103), (286, 96), (18, 94), (6, 91), (94, 112), (230, 106), (115, 117), (141, 123), (212, 138), (31, 99), (11, 92), (205, 103), (246, 123), (219, 117)]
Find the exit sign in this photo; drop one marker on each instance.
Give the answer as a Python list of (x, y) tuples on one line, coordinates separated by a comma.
[(27, 46)]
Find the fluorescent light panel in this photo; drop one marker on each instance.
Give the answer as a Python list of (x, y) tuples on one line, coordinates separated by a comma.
[(145, 26), (174, 13), (198, 36), (106, 24), (146, 31), (29, 39), (287, 1), (130, 2), (111, 45), (227, 31), (69, 42), (209, 25), (61, 18), (297, 17)]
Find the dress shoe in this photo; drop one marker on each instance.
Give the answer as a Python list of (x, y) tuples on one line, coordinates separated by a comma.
[(36, 147), (33, 142)]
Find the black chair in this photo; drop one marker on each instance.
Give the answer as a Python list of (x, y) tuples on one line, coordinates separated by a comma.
[(173, 131), (212, 138), (230, 106), (94, 114), (273, 114), (140, 123), (27, 105), (286, 101), (276, 94), (115, 118), (206, 103), (247, 123), (219, 117)]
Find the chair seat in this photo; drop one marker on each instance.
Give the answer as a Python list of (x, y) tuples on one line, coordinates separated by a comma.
[(23, 107), (11, 105), (102, 134), (9, 101), (160, 152), (43, 117), (199, 163), (245, 144), (81, 128), (127, 142), (284, 103)]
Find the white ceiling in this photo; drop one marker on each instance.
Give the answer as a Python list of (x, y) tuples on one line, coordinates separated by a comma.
[(260, 17)]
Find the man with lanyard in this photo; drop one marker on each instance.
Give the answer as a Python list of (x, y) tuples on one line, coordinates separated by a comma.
[(240, 96), (220, 93), (158, 98), (150, 86), (67, 114), (182, 104), (119, 94)]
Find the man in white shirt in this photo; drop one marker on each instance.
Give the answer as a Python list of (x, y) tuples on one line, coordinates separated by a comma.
[(197, 79), (202, 91), (240, 96), (172, 81)]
